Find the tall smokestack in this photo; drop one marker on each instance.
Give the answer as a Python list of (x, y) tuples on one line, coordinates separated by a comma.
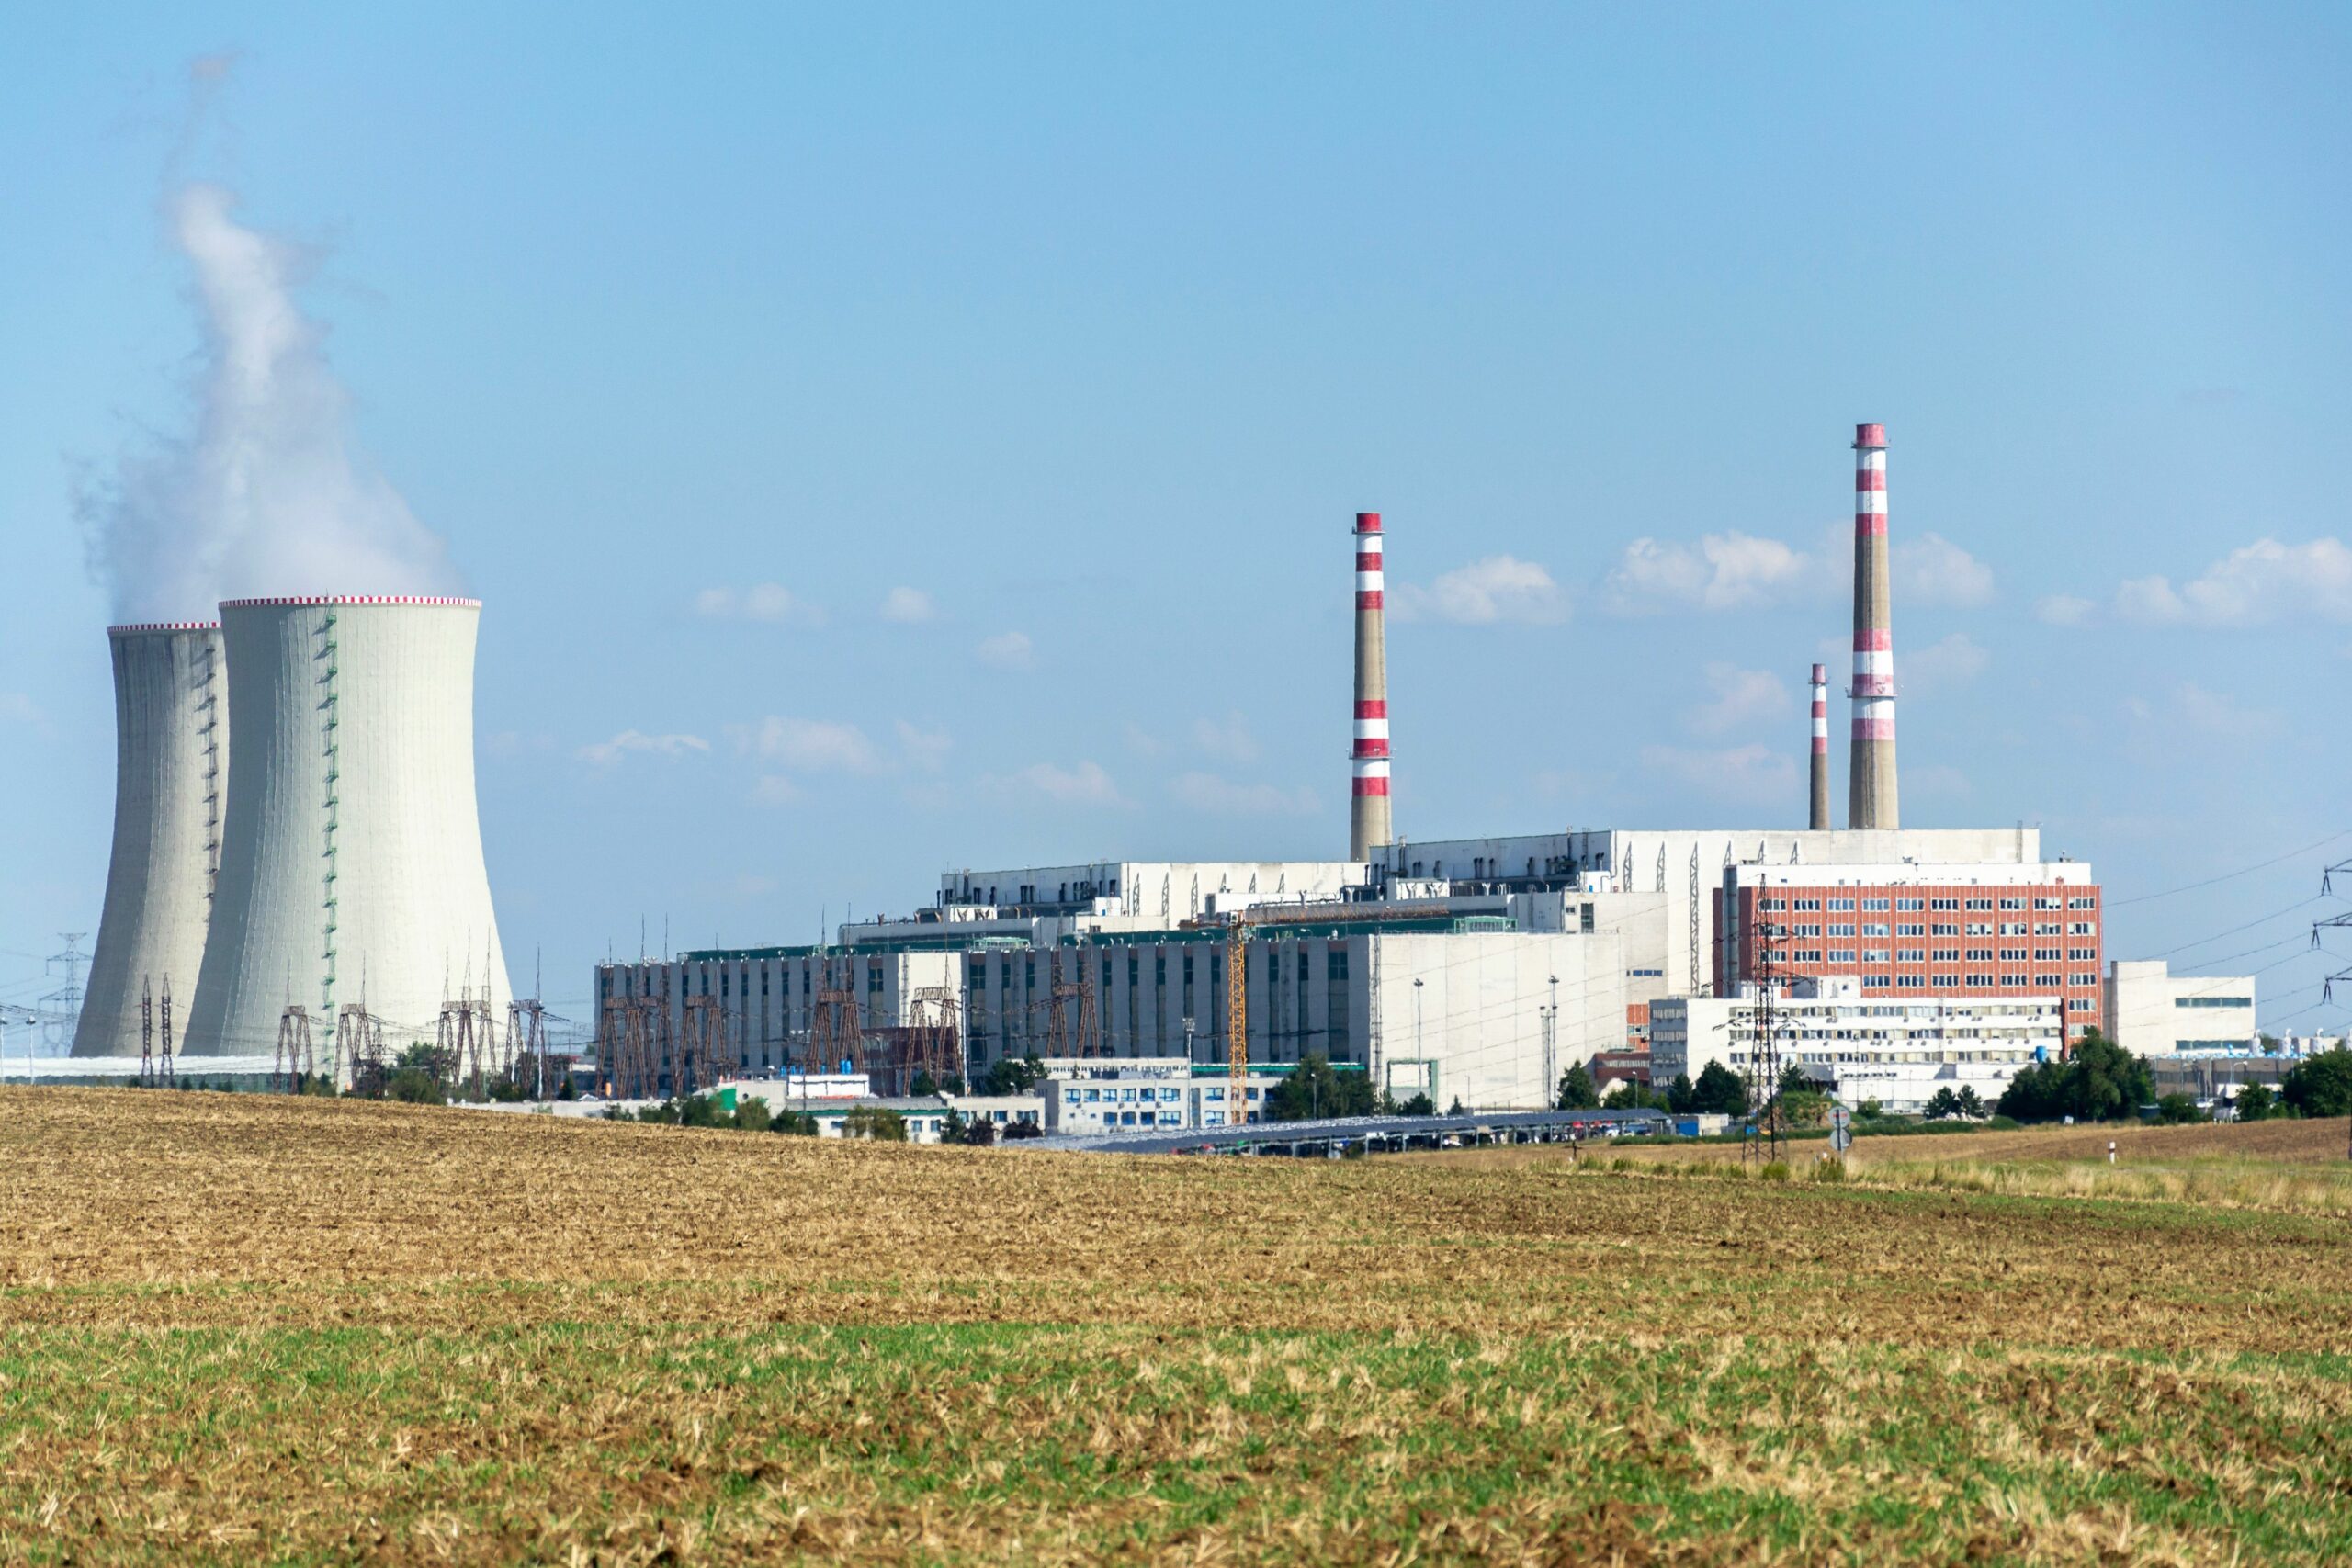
[(1820, 819), (1368, 822), (1870, 801)]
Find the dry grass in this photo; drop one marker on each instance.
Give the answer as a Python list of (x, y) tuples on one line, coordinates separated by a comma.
[(234, 1328)]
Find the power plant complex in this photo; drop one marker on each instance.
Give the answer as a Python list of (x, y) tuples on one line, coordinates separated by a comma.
[(299, 879)]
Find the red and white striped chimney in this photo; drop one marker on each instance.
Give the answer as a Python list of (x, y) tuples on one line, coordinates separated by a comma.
[(1870, 801), (1820, 748), (1368, 820)]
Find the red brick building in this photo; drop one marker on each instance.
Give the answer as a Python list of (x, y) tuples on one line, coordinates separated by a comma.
[(1911, 931)]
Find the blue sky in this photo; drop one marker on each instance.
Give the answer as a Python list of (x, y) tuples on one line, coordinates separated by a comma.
[(891, 442)]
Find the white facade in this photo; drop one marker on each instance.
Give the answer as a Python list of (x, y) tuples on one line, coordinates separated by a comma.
[(1898, 1052), (171, 685), (351, 869), (1477, 1026), (2151, 1011), (1152, 891), (1684, 865), (1083, 1098)]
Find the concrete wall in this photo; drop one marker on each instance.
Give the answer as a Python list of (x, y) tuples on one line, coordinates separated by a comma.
[(352, 863), (2152, 1012), (171, 686)]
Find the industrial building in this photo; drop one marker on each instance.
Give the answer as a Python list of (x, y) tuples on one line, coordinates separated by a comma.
[(2151, 1011), (351, 872), (1918, 930), (171, 685), (1895, 1051), (1428, 999)]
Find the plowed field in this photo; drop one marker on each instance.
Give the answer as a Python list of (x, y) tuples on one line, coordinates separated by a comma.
[(237, 1329)]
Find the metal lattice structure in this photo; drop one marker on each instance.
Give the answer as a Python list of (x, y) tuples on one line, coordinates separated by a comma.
[(358, 1063), (702, 1048), (294, 1064), (1766, 1120)]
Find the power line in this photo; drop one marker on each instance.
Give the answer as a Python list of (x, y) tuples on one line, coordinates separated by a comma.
[(2229, 876)]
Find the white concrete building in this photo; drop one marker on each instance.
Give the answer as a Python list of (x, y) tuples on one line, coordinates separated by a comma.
[(1898, 1052), (1465, 1008), (1685, 865), (1159, 891), (2151, 1011), (1145, 1094)]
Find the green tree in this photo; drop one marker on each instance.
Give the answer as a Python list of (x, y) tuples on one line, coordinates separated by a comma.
[(1941, 1105), (794, 1123), (2100, 1082), (1576, 1090), (1972, 1104), (1679, 1095), (752, 1113), (1718, 1091), (2256, 1102), (1417, 1105), (1012, 1076), (1794, 1079), (2176, 1108), (1627, 1094), (2320, 1085), (1314, 1090), (878, 1123), (980, 1133), (415, 1087)]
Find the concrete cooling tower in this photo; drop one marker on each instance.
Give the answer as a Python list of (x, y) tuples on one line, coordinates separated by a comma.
[(351, 855), (171, 723)]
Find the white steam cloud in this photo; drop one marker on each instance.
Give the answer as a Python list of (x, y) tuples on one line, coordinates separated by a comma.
[(268, 493)]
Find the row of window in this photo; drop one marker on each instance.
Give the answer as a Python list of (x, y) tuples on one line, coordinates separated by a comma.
[(1778, 903)]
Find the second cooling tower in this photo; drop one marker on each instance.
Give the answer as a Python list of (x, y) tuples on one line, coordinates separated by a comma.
[(170, 762), (351, 864)]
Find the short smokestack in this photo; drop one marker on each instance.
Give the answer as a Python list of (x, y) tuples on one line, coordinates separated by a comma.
[(1368, 820), (1870, 801), (1820, 819)]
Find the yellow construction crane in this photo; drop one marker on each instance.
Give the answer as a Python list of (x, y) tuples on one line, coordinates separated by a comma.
[(1236, 1019)]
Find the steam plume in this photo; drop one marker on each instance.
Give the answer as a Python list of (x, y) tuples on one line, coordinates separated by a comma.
[(269, 495)]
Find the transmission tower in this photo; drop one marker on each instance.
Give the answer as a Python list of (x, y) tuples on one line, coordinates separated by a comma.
[(146, 1033), (1764, 1110), (293, 1064), (61, 1010)]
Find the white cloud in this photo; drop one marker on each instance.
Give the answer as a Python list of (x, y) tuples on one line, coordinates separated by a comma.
[(18, 708), (1498, 588), (1931, 569), (605, 753), (1955, 661), (769, 601), (1740, 697), (2211, 713), (1721, 572), (1207, 792), (1751, 775), (908, 606), (810, 745), (1229, 740), (1086, 784), (2064, 610), (2264, 581), (926, 749), (1007, 650), (1142, 741), (775, 789)]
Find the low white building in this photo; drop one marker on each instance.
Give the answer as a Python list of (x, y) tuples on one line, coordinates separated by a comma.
[(1145, 1094), (1897, 1052), (2151, 1011)]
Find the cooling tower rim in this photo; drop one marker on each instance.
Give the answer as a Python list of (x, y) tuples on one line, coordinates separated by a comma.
[(150, 629), (352, 598)]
